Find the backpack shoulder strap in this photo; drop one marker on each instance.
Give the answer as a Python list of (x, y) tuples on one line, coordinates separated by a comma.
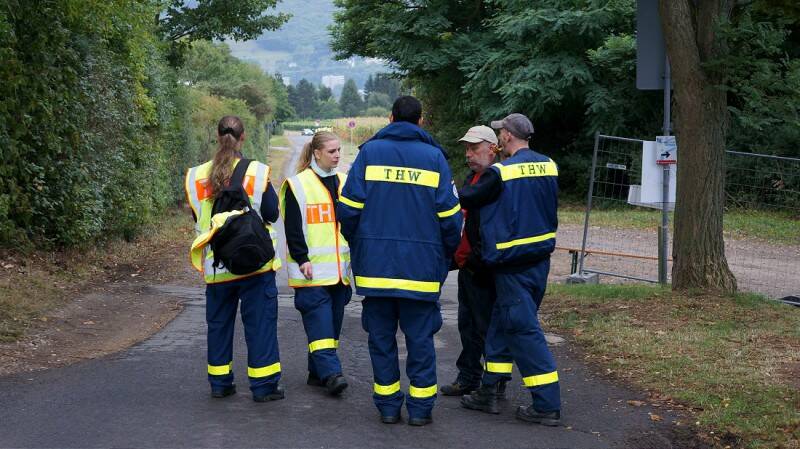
[(237, 178)]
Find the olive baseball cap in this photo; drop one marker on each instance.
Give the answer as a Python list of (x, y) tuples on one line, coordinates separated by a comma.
[(516, 124), (478, 134)]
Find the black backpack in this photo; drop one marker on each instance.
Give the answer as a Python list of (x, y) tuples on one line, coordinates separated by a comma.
[(242, 245)]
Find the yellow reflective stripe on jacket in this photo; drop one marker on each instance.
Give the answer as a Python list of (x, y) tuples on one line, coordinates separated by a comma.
[(325, 343), (220, 370), (351, 203), (426, 392), (386, 390), (400, 284), (264, 371), (450, 212), (540, 379), (499, 367), (403, 175), (527, 240), (527, 170)]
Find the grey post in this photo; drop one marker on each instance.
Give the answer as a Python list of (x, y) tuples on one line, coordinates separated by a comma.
[(588, 203), (663, 243)]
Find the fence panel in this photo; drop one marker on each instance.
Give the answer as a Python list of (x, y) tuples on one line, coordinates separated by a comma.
[(762, 219)]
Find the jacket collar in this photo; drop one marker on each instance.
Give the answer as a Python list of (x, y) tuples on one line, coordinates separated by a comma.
[(406, 131)]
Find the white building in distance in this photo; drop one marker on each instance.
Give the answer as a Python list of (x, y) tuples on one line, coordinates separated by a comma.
[(333, 81)]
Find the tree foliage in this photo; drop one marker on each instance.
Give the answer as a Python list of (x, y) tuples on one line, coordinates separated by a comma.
[(350, 101), (569, 65), (218, 19), (96, 129)]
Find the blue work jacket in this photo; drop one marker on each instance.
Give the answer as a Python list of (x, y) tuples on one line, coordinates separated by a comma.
[(520, 226), (399, 211)]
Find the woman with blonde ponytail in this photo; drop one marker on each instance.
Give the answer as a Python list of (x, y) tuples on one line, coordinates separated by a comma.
[(224, 289), (318, 256)]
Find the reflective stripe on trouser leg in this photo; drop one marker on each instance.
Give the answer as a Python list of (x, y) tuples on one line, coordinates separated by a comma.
[(419, 321), (316, 307), (525, 337), (259, 311), (379, 318), (221, 304)]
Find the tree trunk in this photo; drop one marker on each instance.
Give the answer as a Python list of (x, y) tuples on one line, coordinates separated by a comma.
[(701, 130)]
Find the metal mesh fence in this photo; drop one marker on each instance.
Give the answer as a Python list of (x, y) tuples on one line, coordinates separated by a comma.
[(762, 219), (620, 239)]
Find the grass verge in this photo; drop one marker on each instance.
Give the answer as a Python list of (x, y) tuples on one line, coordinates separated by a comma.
[(734, 362), (279, 141), (770, 226), (33, 284)]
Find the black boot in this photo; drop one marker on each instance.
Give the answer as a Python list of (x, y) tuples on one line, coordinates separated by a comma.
[(276, 395), (223, 392), (483, 399), (314, 381), (335, 384), (457, 389), (527, 413), (501, 389)]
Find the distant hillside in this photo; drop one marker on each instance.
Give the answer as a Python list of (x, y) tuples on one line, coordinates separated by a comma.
[(300, 48)]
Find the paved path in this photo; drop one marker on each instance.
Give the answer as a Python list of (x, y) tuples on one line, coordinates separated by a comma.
[(156, 395)]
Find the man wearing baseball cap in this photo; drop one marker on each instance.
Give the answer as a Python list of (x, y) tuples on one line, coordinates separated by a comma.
[(475, 284), (518, 200)]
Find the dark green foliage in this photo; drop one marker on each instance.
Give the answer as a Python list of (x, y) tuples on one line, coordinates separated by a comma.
[(96, 129), (218, 19), (569, 66), (384, 83), (350, 101), (304, 99)]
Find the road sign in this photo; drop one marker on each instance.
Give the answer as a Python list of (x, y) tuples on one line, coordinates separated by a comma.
[(650, 48), (667, 150), (351, 124)]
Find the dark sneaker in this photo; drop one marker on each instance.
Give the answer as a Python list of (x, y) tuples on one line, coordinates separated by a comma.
[(276, 395), (483, 399), (314, 381), (390, 419), (527, 413), (335, 384), (420, 421), (456, 389), (223, 392)]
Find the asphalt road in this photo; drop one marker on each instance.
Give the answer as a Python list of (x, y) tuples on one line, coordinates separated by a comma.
[(155, 394)]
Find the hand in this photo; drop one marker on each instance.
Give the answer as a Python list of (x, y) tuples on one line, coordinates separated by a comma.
[(306, 270)]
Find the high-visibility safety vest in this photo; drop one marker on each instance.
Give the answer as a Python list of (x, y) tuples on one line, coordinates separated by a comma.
[(198, 193), (328, 251), (521, 225)]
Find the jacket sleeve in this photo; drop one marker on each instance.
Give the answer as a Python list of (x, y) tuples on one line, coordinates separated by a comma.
[(449, 210), (351, 201), (269, 204), (292, 220), (483, 192)]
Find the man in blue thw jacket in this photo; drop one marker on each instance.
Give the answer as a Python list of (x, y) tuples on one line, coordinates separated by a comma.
[(400, 213)]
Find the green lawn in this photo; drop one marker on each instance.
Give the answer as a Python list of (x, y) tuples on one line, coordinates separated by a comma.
[(279, 141), (732, 364)]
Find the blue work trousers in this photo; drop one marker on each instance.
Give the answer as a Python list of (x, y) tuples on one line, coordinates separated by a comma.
[(322, 309), (419, 321), (259, 298), (514, 335)]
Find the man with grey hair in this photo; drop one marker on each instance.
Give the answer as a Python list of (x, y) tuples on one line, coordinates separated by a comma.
[(475, 284), (518, 201)]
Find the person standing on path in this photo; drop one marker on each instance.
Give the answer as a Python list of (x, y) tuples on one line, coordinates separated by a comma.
[(224, 289), (476, 294), (518, 201), (318, 256), (399, 210)]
